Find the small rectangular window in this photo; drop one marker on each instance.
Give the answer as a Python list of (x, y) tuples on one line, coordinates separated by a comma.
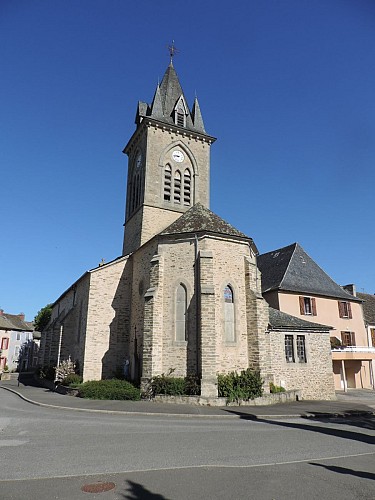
[(307, 306), (301, 349), (18, 336), (4, 343), (348, 339), (289, 349), (345, 310)]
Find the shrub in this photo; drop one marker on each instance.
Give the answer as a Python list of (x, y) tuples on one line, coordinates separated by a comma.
[(65, 368), (335, 343), (72, 379), (175, 386), (276, 388), (244, 386), (109, 389)]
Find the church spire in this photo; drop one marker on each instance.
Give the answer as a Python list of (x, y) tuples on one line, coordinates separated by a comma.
[(197, 116), (157, 107)]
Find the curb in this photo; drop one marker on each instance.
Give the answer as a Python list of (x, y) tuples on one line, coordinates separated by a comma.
[(306, 415)]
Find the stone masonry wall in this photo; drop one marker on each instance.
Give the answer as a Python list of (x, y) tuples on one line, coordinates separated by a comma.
[(108, 319), (314, 378)]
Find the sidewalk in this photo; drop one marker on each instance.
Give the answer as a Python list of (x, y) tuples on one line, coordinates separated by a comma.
[(352, 404)]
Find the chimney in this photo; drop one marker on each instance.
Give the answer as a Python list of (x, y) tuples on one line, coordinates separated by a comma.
[(22, 316), (351, 289)]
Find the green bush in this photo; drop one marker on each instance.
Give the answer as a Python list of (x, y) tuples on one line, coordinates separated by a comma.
[(175, 386), (109, 389), (244, 386), (276, 388), (72, 379)]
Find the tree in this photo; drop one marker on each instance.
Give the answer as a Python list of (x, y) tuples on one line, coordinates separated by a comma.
[(42, 318)]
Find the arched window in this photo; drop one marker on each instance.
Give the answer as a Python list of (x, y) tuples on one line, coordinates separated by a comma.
[(229, 334), (181, 304), (187, 187), (167, 183), (177, 187)]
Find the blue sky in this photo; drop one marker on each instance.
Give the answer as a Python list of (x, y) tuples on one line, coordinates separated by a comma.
[(287, 87)]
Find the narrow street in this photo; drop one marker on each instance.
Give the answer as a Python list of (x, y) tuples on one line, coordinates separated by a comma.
[(49, 453)]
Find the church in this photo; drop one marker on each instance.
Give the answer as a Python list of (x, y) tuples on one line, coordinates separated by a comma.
[(186, 292)]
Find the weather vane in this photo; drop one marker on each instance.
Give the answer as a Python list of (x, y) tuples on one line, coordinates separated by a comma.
[(172, 50)]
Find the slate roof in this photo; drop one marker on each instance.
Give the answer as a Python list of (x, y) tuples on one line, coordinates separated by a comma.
[(200, 219), (165, 99), (368, 307), (291, 269), (14, 322), (281, 320)]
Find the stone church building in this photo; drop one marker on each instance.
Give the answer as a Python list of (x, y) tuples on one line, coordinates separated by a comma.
[(186, 292)]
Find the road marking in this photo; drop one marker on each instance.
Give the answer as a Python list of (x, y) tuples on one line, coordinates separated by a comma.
[(215, 466)]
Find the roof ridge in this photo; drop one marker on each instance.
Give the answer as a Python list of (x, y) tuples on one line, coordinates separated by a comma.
[(290, 260)]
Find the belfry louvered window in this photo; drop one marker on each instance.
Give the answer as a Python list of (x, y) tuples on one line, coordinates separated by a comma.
[(177, 187), (167, 183), (187, 187)]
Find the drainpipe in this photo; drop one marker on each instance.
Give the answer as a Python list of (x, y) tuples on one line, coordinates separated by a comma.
[(196, 301)]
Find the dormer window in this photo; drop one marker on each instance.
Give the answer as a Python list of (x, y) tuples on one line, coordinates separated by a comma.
[(180, 113)]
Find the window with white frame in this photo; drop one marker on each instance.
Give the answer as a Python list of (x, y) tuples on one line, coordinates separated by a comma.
[(289, 348), (307, 306), (301, 349), (345, 310)]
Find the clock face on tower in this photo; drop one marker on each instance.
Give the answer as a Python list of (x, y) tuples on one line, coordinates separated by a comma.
[(138, 160), (178, 156)]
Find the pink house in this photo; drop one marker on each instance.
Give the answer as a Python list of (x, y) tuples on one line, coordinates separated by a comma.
[(293, 283)]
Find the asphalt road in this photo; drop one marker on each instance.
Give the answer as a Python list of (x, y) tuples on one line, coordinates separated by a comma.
[(48, 453)]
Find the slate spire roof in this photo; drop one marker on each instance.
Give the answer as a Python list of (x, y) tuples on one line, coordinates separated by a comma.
[(291, 269), (167, 94), (200, 219)]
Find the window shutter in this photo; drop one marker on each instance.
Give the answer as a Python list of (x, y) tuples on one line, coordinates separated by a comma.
[(301, 305), (313, 304), (352, 338), (341, 312), (350, 310)]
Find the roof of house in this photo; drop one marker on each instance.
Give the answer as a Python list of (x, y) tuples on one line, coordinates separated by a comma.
[(15, 322), (164, 102), (368, 307), (281, 320), (200, 219), (291, 269)]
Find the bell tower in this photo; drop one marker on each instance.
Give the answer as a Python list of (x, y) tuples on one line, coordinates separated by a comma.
[(168, 163)]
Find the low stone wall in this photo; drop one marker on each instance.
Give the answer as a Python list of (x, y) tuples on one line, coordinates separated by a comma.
[(266, 399)]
